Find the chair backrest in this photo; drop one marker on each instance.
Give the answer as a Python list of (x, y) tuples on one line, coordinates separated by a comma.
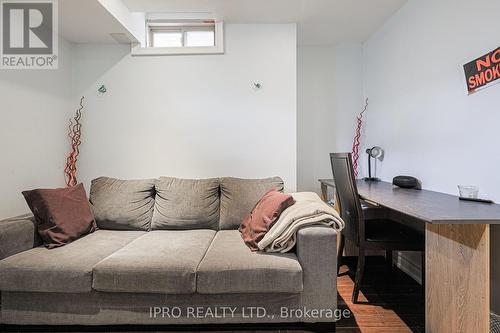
[(347, 192)]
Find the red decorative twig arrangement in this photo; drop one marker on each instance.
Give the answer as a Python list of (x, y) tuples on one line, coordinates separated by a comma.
[(357, 136), (74, 134)]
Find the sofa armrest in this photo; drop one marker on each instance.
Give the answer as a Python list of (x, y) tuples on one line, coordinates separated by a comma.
[(317, 254), (17, 234)]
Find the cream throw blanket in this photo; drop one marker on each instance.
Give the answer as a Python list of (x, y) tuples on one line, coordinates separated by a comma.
[(308, 210)]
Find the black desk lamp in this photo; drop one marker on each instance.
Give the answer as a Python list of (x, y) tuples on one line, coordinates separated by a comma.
[(378, 154)]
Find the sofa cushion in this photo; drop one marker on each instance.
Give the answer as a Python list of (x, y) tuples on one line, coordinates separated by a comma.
[(122, 204), (239, 197), (66, 269), (186, 204), (163, 261), (230, 267)]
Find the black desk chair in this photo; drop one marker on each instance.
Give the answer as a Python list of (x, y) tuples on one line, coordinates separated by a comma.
[(365, 231)]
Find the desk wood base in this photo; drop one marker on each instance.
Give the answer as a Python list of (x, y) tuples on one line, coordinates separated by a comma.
[(457, 278)]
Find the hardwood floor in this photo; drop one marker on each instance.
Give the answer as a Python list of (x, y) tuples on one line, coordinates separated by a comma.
[(389, 303)]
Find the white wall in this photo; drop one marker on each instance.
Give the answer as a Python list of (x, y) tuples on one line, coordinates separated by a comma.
[(420, 112), (329, 80), (192, 116), (349, 94), (35, 107), (315, 114)]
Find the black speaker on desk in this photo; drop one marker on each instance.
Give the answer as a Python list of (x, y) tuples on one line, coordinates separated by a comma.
[(406, 182)]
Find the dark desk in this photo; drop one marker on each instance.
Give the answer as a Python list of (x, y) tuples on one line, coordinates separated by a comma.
[(429, 206), (457, 237)]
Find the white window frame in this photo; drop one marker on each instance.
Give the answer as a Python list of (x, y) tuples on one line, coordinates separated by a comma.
[(218, 48), (183, 29)]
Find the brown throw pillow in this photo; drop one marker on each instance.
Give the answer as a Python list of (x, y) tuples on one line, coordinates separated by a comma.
[(62, 215), (265, 213)]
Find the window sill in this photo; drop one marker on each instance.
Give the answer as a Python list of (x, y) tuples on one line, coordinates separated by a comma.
[(162, 51)]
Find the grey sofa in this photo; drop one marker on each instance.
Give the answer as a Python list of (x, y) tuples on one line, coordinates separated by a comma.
[(167, 252)]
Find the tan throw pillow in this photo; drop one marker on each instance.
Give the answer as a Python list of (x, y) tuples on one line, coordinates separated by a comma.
[(62, 215), (267, 211)]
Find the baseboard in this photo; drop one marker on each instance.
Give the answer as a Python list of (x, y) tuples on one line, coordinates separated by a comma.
[(409, 266)]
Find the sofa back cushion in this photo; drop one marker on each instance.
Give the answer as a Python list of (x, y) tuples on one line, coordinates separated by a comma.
[(239, 197), (186, 204), (123, 204)]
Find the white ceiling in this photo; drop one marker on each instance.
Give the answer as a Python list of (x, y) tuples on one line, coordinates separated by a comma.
[(89, 22), (320, 22)]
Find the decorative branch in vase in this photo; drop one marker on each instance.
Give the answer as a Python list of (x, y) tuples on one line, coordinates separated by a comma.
[(357, 138), (74, 134)]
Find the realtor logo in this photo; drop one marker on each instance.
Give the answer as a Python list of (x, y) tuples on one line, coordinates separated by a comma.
[(29, 34)]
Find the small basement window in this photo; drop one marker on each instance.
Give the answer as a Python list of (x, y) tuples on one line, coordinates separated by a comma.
[(182, 37), (181, 34)]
